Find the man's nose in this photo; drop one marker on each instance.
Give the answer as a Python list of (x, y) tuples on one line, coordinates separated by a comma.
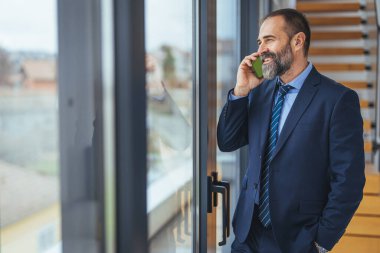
[(262, 49)]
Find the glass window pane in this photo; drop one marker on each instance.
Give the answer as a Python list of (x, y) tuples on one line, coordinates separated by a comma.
[(50, 155), (170, 128), (30, 219)]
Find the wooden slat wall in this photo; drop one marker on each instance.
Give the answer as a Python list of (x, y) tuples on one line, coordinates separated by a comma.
[(370, 206), (368, 146), (327, 7), (337, 35), (356, 84), (335, 20), (364, 226), (340, 66), (355, 244), (321, 51), (372, 185)]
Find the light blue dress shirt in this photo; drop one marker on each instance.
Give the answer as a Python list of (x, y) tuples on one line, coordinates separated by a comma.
[(290, 96)]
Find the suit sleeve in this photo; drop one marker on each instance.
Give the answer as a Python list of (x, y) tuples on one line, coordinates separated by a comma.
[(232, 132), (346, 173)]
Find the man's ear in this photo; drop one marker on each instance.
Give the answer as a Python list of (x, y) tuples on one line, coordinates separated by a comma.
[(299, 41)]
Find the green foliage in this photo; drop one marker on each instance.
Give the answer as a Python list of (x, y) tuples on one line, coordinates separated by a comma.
[(168, 63), (5, 68)]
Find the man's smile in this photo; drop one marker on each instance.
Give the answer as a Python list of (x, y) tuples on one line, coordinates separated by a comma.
[(267, 60)]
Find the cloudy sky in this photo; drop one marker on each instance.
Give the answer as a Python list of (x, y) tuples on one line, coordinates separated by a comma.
[(28, 25), (170, 22), (32, 24)]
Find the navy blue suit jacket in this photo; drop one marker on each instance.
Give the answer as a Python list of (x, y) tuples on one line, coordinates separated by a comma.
[(317, 172)]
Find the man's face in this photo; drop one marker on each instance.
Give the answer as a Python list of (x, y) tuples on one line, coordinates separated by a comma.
[(274, 48)]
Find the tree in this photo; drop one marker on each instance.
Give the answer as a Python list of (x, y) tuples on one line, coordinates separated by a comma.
[(5, 68), (168, 64)]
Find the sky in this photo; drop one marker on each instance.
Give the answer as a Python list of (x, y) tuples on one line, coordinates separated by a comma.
[(28, 25), (171, 22), (168, 22), (31, 25)]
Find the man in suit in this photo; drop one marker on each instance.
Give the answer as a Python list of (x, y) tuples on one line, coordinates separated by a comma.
[(305, 175)]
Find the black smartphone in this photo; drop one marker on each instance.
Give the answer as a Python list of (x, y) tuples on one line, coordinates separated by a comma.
[(257, 67)]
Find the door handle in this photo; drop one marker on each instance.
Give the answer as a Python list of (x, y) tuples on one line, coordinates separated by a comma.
[(213, 188)]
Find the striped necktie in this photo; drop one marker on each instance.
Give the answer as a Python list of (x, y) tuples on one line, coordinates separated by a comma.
[(264, 215)]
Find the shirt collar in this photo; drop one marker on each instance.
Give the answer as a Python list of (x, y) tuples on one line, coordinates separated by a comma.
[(297, 82)]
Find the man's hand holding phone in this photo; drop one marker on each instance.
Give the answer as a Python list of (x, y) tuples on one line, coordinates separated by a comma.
[(249, 75)]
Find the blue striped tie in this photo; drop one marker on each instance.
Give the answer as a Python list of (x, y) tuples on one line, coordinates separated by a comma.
[(264, 215)]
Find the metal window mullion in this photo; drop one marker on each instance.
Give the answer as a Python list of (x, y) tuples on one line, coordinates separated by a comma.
[(131, 140), (248, 32), (201, 121)]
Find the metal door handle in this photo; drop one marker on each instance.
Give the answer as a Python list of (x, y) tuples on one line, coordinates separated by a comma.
[(213, 188)]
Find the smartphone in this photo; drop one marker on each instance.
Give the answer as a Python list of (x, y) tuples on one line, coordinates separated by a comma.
[(257, 67)]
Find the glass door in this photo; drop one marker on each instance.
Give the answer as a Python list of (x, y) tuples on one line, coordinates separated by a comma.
[(192, 51), (223, 169), (169, 94), (231, 29)]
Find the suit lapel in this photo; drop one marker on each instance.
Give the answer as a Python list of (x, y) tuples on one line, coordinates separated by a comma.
[(266, 111), (304, 97)]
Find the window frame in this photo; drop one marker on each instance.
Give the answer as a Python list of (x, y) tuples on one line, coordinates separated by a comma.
[(130, 117)]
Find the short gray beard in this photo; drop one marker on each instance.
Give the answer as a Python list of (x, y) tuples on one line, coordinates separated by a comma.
[(281, 62)]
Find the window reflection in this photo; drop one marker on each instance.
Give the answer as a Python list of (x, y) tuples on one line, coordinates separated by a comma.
[(169, 122)]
